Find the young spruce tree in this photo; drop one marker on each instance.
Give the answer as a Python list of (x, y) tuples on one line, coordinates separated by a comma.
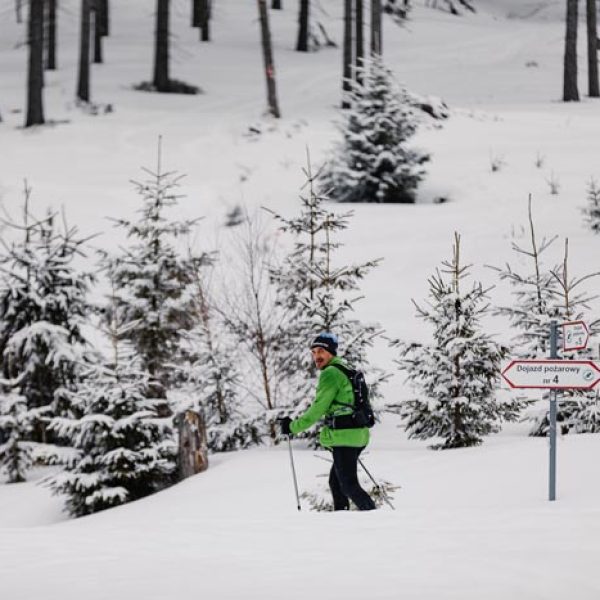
[(320, 295), (121, 448), (544, 295), (457, 374), (373, 163), (43, 306), (579, 410), (535, 306), (153, 281)]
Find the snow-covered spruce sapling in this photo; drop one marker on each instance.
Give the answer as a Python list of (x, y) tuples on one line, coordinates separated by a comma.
[(535, 306), (320, 294), (152, 280), (373, 162), (592, 210), (577, 409), (121, 445), (211, 381), (43, 305), (456, 376), (16, 426), (535, 292)]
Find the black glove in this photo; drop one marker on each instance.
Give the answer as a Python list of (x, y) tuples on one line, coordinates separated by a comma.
[(284, 425)]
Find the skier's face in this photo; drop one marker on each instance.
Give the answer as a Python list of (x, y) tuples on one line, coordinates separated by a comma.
[(321, 357)]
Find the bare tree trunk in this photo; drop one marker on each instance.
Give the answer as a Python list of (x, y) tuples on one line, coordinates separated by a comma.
[(98, 27), (376, 32), (347, 54), (51, 35), (277, 5), (592, 40), (35, 77), (570, 91), (205, 15), (360, 45), (161, 47), (196, 10), (83, 83), (268, 59), (105, 17), (303, 26)]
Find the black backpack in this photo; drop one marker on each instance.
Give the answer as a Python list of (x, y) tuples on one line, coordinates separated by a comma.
[(362, 415)]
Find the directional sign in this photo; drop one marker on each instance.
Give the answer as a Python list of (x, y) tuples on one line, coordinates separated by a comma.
[(552, 374), (575, 336)]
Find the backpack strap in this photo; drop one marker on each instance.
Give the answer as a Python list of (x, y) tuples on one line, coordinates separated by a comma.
[(347, 372)]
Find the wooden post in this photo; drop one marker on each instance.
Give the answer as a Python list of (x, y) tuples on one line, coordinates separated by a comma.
[(268, 59), (193, 447)]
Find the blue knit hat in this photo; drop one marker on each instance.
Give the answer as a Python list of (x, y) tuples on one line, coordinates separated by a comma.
[(326, 340)]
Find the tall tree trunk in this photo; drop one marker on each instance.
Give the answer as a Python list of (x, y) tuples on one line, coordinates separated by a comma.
[(105, 17), (592, 40), (360, 44), (83, 83), (51, 35), (35, 76), (347, 54), (161, 47), (196, 11), (277, 5), (19, 10), (376, 30), (303, 26), (98, 28), (268, 59), (205, 14), (570, 91)]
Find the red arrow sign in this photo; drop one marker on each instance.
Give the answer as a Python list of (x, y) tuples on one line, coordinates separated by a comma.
[(575, 336), (552, 374)]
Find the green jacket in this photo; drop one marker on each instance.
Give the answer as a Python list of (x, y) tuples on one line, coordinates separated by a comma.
[(333, 385)]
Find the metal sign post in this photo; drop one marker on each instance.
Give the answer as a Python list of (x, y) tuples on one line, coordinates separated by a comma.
[(556, 374), (552, 416)]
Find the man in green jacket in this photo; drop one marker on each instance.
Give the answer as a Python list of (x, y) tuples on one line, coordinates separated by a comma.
[(335, 398)]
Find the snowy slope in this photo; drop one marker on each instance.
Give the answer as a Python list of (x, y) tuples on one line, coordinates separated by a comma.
[(469, 524)]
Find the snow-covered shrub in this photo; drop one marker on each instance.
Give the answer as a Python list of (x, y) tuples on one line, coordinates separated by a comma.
[(372, 162), (592, 210), (456, 375)]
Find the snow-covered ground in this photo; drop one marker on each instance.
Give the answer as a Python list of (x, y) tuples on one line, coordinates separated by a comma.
[(469, 524)]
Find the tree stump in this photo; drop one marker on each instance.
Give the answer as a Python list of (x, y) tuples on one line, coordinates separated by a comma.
[(193, 448)]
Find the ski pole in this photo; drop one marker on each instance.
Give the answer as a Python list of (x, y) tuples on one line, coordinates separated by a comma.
[(377, 486), (293, 471)]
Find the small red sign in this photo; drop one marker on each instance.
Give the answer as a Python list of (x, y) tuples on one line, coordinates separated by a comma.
[(575, 336)]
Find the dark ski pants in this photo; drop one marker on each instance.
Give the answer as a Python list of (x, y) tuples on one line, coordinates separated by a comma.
[(343, 480)]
